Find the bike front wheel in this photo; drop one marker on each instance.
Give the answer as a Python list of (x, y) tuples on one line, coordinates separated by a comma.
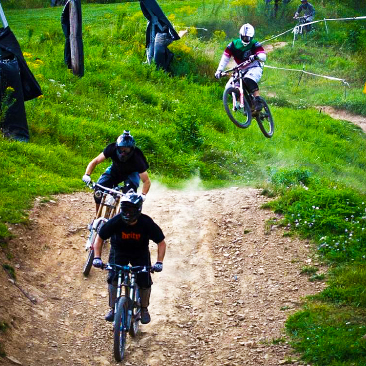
[(88, 263), (265, 120), (136, 315), (241, 116), (120, 329)]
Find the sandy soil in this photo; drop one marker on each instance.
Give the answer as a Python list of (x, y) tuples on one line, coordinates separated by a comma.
[(229, 282)]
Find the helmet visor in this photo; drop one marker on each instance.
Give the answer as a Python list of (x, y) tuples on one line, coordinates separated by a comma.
[(123, 150), (129, 212), (246, 39)]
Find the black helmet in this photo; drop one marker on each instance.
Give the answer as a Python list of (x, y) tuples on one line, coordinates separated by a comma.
[(125, 146), (131, 207)]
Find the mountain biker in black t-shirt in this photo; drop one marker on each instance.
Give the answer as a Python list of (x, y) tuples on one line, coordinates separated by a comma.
[(129, 165), (130, 233)]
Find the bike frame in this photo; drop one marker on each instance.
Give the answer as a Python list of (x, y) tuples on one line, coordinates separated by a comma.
[(127, 287), (238, 76), (109, 206)]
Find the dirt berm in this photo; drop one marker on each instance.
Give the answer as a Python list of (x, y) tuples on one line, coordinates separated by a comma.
[(230, 281)]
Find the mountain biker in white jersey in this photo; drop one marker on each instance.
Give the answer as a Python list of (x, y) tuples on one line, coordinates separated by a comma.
[(243, 49), (309, 12)]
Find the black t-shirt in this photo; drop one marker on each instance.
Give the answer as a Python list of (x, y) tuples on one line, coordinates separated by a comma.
[(131, 240), (121, 170)]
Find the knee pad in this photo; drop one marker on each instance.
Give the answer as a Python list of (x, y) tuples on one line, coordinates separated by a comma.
[(251, 85)]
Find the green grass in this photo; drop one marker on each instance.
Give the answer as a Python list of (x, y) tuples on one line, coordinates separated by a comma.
[(313, 164)]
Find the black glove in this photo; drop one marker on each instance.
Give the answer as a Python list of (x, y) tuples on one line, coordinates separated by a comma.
[(157, 267), (97, 262)]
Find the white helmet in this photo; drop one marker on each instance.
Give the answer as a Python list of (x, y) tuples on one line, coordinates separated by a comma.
[(246, 33)]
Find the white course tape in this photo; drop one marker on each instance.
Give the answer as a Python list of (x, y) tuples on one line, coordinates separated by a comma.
[(315, 21), (309, 73)]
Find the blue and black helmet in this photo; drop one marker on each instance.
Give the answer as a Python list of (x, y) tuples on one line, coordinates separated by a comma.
[(125, 146)]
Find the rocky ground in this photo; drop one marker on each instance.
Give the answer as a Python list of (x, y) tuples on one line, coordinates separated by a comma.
[(229, 282)]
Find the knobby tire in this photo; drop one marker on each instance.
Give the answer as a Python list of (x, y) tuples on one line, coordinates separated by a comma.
[(265, 120), (89, 262), (241, 117), (120, 329)]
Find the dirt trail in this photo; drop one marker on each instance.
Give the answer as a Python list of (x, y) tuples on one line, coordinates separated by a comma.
[(229, 282), (345, 116)]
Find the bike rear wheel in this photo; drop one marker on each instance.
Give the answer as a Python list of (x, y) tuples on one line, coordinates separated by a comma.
[(89, 262), (240, 116), (265, 120), (120, 329), (136, 315)]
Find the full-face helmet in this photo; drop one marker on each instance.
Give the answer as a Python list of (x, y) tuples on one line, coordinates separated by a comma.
[(246, 33), (131, 207), (125, 146)]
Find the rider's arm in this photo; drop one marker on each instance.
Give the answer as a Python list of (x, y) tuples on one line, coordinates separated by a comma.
[(146, 183), (223, 62), (161, 251), (89, 169), (260, 53), (98, 247)]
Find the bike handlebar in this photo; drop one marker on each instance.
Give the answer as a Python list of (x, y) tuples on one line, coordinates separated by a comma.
[(126, 268), (92, 185), (237, 67)]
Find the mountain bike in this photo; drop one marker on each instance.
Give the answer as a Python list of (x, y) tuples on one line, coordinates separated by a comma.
[(239, 102), (302, 28), (109, 207), (127, 308)]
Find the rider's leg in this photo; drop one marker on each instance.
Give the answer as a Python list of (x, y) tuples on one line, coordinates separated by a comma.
[(112, 291), (132, 182), (251, 80), (253, 89), (145, 301), (112, 284), (144, 282)]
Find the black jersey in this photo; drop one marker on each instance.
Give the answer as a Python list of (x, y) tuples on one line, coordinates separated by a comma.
[(121, 170), (131, 240)]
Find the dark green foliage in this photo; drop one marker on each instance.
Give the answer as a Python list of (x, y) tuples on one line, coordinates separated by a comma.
[(287, 177), (331, 215), (347, 286), (326, 335), (10, 271)]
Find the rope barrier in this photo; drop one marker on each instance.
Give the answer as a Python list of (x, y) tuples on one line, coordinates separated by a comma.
[(316, 21), (310, 73), (344, 82)]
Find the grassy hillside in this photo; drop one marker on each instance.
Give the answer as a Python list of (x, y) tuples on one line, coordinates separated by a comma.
[(316, 165)]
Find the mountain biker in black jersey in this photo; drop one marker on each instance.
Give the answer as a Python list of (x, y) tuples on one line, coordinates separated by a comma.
[(243, 49), (130, 232), (129, 165), (309, 12)]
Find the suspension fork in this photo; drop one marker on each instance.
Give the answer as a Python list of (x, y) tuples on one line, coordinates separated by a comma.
[(132, 293), (241, 90)]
